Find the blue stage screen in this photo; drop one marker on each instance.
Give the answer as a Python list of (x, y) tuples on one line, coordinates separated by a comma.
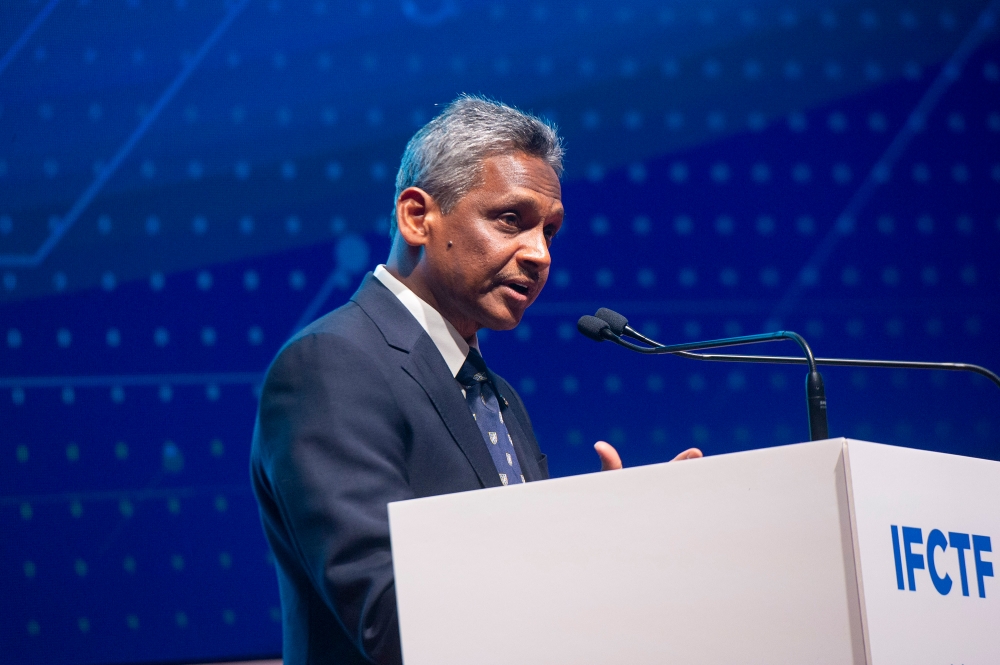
[(184, 184)]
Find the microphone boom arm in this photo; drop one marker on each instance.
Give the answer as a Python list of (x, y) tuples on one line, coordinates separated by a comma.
[(612, 326), (808, 360), (815, 391), (683, 349), (844, 362)]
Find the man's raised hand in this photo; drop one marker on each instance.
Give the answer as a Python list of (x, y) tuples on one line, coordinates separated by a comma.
[(609, 456), (690, 453), (611, 461)]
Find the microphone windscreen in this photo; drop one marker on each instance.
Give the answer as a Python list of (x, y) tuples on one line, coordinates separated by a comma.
[(615, 321), (591, 326)]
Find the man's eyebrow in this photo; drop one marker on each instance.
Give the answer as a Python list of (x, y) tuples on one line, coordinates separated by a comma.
[(518, 201), (521, 201)]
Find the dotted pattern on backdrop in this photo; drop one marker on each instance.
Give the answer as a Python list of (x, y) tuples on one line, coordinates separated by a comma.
[(183, 185)]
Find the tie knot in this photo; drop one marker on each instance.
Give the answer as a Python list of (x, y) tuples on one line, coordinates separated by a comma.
[(473, 370)]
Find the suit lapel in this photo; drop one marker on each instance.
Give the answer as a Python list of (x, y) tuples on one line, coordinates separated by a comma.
[(398, 327), (425, 365), (428, 369)]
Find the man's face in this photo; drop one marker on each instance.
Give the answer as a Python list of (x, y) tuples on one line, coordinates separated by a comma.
[(489, 256)]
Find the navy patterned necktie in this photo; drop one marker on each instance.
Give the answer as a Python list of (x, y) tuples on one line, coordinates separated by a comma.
[(481, 396)]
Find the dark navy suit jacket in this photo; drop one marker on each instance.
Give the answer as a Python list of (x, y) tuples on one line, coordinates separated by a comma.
[(357, 410)]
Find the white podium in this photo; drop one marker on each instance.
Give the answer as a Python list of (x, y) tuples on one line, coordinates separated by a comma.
[(834, 551)]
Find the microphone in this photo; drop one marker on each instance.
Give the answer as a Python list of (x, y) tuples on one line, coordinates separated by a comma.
[(595, 328), (619, 325)]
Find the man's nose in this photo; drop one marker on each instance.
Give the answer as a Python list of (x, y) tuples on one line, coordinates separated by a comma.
[(535, 249)]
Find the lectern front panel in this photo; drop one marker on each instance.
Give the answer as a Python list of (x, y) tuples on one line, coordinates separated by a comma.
[(743, 558)]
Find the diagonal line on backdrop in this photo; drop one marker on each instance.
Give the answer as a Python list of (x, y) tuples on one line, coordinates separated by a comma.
[(351, 255), (16, 47), (880, 171), (336, 278), (64, 225)]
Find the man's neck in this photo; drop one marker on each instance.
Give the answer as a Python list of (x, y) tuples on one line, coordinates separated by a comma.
[(411, 274)]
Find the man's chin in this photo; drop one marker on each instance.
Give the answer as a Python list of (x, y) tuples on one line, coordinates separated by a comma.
[(501, 320), (502, 324)]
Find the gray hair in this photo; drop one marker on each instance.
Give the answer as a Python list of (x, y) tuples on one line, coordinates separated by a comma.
[(444, 158)]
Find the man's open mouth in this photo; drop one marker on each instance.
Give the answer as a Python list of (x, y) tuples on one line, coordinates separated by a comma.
[(520, 288)]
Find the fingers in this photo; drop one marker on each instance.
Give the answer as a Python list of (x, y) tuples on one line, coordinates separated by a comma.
[(690, 453), (609, 456), (611, 461)]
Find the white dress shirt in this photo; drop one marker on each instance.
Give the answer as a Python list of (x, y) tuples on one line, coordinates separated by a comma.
[(453, 347)]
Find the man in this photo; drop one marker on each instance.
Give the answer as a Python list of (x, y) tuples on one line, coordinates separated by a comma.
[(387, 398)]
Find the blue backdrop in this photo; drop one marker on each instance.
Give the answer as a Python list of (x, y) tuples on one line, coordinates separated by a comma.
[(183, 184)]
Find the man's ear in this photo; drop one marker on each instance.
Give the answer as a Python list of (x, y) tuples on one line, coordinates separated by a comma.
[(415, 211)]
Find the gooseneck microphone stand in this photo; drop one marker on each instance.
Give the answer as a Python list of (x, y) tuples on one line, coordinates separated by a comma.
[(617, 323), (599, 330), (611, 325)]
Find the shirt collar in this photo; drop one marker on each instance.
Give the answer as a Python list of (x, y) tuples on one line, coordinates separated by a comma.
[(452, 346)]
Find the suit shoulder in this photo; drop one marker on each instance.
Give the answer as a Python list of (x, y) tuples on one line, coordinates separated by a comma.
[(343, 337), (346, 320)]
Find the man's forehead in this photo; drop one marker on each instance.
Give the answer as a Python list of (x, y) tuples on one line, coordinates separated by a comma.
[(522, 172)]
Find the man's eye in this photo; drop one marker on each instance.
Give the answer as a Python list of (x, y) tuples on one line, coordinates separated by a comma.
[(509, 218)]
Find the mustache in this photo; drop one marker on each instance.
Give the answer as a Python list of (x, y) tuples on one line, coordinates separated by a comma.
[(532, 276)]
